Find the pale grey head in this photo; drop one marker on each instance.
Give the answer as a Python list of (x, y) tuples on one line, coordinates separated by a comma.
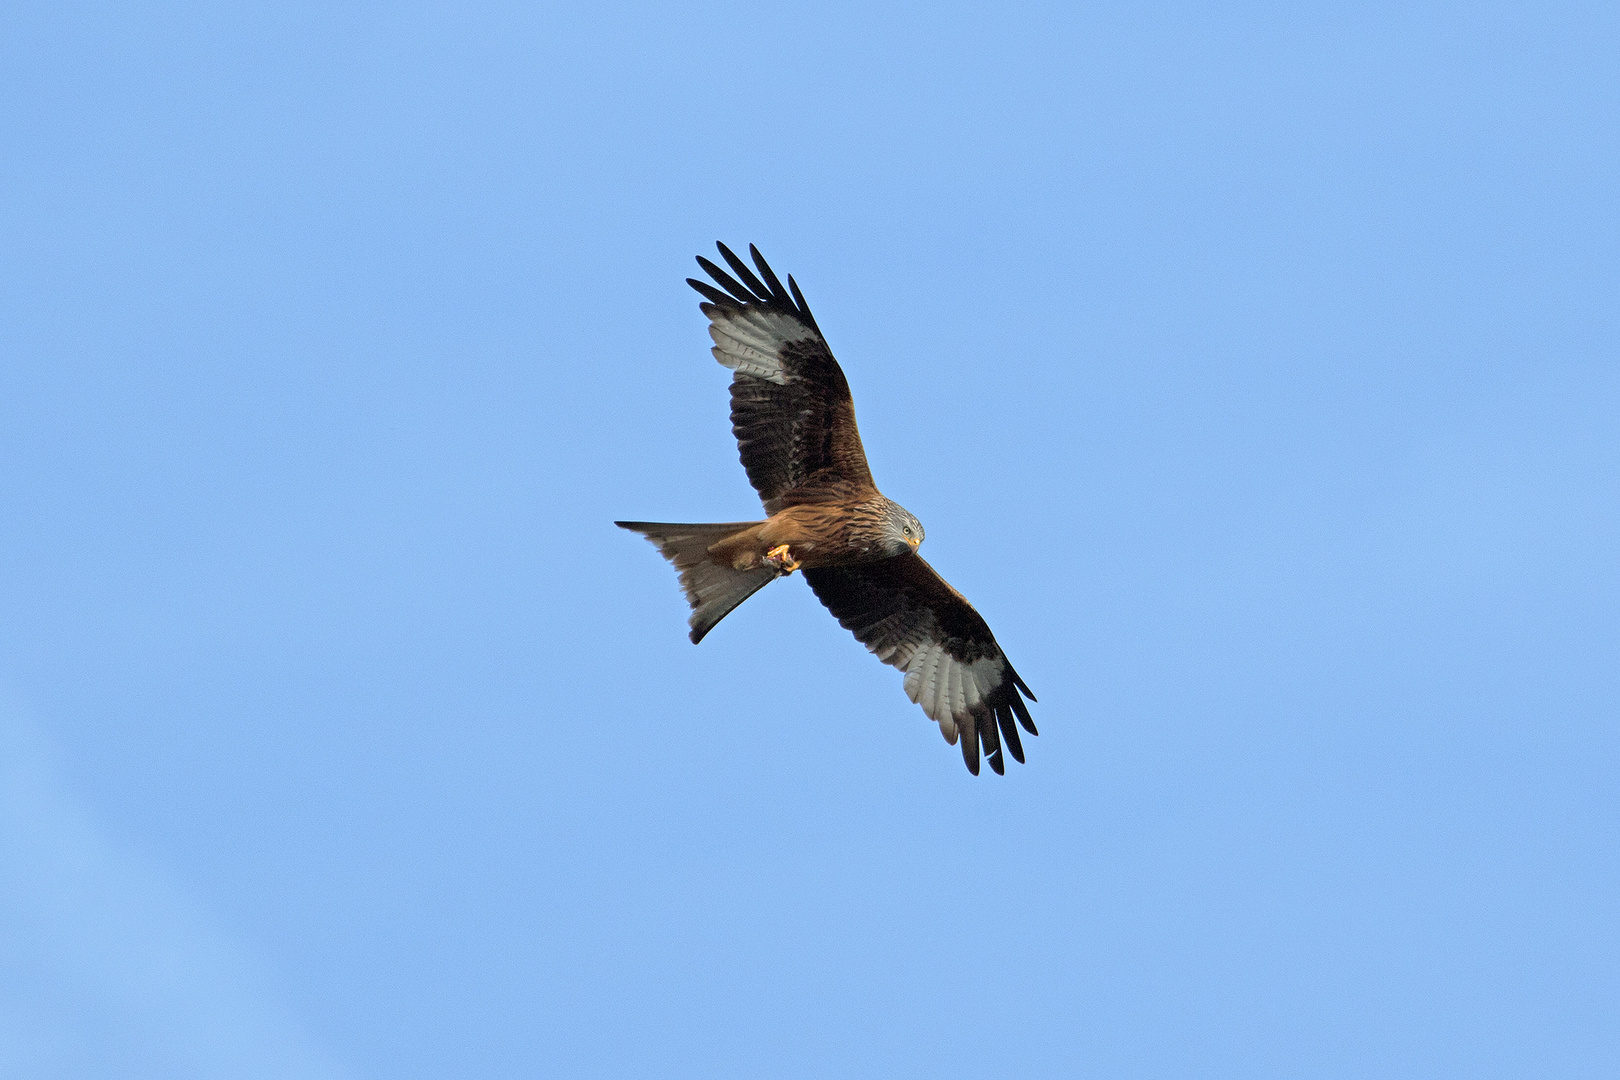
[(901, 531)]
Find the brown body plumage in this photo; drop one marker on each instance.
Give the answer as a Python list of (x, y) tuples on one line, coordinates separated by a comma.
[(794, 420), (817, 535)]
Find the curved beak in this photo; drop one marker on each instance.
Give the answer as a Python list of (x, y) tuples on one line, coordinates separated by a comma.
[(913, 541)]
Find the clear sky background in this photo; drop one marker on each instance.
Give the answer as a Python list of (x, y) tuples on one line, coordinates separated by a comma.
[(1252, 366)]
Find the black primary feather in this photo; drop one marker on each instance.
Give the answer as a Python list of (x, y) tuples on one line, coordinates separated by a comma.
[(739, 294), (745, 275)]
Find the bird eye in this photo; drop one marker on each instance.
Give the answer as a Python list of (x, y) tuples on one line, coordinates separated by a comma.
[(908, 530)]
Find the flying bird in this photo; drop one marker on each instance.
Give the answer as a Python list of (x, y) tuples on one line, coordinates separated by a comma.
[(795, 425)]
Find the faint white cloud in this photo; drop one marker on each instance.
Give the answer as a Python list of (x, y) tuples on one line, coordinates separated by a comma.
[(107, 967)]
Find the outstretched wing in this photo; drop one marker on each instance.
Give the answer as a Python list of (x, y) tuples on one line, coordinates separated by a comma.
[(910, 617), (790, 406)]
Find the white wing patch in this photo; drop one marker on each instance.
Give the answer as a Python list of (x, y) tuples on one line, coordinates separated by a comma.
[(749, 340), (947, 689)]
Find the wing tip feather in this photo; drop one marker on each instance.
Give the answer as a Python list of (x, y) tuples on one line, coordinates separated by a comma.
[(746, 289), (738, 293), (1022, 712), (715, 297), (745, 275), (1009, 733), (970, 752)]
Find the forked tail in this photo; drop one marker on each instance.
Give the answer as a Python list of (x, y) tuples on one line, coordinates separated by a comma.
[(712, 588)]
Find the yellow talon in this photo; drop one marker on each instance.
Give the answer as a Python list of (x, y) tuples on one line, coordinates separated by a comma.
[(782, 559)]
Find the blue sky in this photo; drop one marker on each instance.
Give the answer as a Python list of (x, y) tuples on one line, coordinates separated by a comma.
[(1252, 367)]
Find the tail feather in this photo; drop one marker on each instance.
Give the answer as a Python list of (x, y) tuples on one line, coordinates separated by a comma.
[(713, 589)]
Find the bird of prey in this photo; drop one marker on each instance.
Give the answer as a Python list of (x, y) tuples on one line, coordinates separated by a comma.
[(795, 426)]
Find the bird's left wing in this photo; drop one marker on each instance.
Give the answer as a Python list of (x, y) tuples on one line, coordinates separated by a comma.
[(909, 617), (790, 404)]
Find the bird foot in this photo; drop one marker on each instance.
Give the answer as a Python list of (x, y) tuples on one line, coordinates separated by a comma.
[(782, 559)]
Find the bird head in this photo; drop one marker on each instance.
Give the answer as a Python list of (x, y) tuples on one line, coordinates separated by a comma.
[(902, 532)]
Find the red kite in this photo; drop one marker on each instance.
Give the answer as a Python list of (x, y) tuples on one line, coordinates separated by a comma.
[(795, 427)]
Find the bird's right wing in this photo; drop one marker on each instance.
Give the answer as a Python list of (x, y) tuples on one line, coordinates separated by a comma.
[(910, 617), (790, 404)]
